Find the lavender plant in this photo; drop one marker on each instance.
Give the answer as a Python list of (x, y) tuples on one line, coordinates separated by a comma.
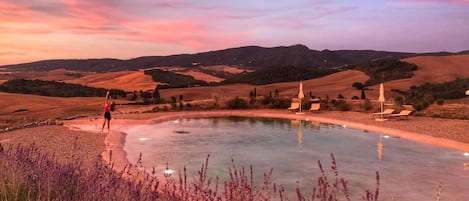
[(27, 174)]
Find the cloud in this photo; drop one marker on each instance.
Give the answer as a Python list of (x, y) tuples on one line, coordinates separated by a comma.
[(11, 53), (434, 2)]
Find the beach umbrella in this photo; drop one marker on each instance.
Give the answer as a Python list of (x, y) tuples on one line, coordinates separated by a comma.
[(381, 97), (381, 93), (301, 95)]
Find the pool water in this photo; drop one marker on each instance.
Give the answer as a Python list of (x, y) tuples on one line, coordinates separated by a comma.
[(408, 170)]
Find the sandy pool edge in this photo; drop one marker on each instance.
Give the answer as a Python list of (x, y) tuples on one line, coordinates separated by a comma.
[(115, 140)]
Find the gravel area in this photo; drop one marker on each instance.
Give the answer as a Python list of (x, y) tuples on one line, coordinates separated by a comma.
[(60, 141), (453, 129)]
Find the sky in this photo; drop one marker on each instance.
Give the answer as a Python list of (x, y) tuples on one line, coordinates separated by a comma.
[(32, 30)]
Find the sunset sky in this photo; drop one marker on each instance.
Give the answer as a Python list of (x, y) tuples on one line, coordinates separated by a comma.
[(32, 30)]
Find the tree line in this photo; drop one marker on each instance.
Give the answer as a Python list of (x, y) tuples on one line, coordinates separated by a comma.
[(55, 89)]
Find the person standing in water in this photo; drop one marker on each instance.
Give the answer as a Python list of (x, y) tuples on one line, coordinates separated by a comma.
[(107, 113)]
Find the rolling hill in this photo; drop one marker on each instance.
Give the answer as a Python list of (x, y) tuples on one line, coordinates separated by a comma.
[(250, 56), (123, 80)]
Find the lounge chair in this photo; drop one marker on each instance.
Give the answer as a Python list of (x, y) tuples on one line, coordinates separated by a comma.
[(404, 114), (315, 107), (385, 113), (294, 106)]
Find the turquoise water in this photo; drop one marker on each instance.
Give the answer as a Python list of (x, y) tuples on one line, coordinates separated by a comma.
[(408, 170)]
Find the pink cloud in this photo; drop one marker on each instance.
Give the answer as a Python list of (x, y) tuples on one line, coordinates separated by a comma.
[(436, 2), (109, 21)]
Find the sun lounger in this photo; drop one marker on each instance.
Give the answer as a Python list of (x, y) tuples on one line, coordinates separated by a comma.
[(404, 114), (294, 106), (385, 113), (315, 107)]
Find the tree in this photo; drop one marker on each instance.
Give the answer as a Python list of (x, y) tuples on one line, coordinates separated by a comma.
[(276, 94), (173, 102), (156, 95), (363, 96), (251, 94), (358, 85)]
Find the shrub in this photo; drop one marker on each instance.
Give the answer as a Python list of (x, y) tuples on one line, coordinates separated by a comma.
[(355, 98), (280, 103), (237, 103), (367, 106), (181, 105), (341, 105), (267, 100), (29, 175), (399, 100), (440, 101)]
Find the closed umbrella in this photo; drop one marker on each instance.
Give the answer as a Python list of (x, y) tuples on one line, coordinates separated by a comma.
[(381, 98), (301, 95)]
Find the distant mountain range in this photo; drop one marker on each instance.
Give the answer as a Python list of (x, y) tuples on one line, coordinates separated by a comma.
[(249, 56)]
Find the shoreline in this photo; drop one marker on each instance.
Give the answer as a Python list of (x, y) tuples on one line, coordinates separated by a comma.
[(115, 140)]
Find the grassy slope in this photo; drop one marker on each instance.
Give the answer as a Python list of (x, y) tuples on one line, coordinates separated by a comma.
[(23, 107), (124, 80), (431, 69)]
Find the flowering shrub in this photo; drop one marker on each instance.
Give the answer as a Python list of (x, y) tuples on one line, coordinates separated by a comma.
[(28, 174)]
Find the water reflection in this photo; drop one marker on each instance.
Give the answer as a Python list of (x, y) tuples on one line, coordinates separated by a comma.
[(271, 143), (315, 125), (300, 136), (380, 147), (297, 123)]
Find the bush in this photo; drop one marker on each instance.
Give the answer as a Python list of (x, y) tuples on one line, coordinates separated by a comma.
[(341, 105), (367, 106), (237, 103), (29, 175), (280, 103), (267, 100), (440, 101), (399, 100)]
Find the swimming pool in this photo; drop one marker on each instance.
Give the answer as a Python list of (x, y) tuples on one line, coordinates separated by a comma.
[(408, 170)]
